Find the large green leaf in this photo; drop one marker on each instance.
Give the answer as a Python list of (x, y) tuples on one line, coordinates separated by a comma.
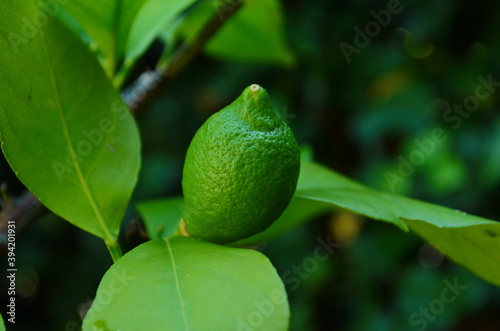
[(254, 34), (318, 183), (2, 325), (188, 284), (471, 241), (64, 129), (108, 23)]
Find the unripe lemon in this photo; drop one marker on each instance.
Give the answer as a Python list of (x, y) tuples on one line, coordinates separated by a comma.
[(241, 170)]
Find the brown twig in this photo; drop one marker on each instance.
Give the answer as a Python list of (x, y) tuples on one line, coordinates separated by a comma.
[(26, 208)]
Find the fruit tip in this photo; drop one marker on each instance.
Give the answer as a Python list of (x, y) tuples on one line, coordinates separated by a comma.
[(254, 88)]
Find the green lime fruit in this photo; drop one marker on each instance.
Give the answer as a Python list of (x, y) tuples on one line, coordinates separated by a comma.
[(241, 170)]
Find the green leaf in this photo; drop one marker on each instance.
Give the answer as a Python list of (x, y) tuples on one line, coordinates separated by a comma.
[(108, 23), (2, 324), (321, 184), (318, 183), (161, 217), (475, 246), (156, 19), (64, 130), (471, 241), (153, 19), (188, 284), (256, 33)]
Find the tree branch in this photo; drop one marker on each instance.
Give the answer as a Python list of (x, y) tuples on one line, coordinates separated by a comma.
[(22, 211)]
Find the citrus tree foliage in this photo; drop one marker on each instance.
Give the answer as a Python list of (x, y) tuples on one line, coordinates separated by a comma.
[(74, 144)]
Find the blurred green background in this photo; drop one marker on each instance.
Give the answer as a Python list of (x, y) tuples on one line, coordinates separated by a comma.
[(360, 115)]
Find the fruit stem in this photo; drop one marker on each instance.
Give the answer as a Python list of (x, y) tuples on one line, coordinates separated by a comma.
[(182, 231)]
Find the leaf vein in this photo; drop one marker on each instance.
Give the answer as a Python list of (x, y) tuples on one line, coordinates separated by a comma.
[(177, 284)]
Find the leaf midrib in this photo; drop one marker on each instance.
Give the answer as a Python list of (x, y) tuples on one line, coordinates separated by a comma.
[(177, 284), (85, 188)]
